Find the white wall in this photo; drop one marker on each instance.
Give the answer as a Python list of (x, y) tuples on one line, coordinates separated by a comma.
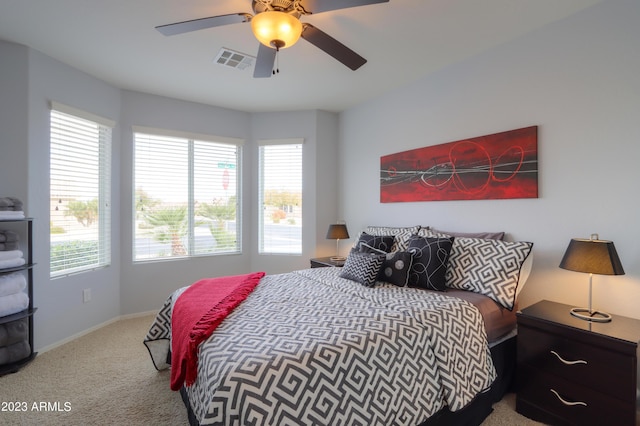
[(29, 80), (578, 81), (146, 285), (319, 129), (326, 182), (61, 312), (14, 126)]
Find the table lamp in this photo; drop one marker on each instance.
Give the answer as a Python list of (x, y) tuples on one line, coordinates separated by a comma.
[(592, 256), (337, 231)]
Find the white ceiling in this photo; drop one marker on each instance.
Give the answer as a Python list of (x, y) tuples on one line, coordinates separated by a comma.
[(402, 40)]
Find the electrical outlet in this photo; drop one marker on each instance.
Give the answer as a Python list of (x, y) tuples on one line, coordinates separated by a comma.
[(86, 295)]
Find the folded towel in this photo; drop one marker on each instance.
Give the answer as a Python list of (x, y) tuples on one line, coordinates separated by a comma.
[(11, 254), (13, 245), (12, 263), (10, 203), (8, 237), (15, 352), (17, 204), (10, 215), (12, 283), (6, 202), (13, 303)]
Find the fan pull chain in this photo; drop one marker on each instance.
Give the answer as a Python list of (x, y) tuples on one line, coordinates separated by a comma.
[(277, 68)]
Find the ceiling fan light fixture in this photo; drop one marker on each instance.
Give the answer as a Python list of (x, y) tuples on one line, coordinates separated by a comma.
[(276, 29)]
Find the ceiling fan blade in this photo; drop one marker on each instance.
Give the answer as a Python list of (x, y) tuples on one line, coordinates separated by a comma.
[(331, 46), (264, 62), (203, 23), (318, 6)]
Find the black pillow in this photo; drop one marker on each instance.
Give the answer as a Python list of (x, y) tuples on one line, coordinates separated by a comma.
[(362, 267), (396, 268), (378, 242), (430, 260)]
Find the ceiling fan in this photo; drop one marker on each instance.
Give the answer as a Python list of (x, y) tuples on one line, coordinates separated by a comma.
[(276, 24)]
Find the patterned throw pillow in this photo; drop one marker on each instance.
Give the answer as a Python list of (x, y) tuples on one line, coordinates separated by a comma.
[(396, 268), (489, 267), (401, 234), (378, 242), (362, 267), (430, 259)]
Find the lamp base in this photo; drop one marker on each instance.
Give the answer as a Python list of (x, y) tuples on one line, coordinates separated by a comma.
[(588, 315), (338, 258)]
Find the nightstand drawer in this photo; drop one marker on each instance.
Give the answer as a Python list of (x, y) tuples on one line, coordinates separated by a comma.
[(554, 400), (585, 365)]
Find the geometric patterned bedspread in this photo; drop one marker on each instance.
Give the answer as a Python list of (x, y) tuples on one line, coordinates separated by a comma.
[(309, 347)]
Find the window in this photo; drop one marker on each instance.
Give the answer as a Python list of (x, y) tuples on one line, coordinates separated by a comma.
[(80, 191), (280, 196), (187, 199)]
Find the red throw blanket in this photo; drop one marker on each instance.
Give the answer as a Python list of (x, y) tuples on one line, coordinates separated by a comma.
[(196, 313)]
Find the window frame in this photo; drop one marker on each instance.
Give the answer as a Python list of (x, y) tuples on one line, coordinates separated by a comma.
[(264, 143), (191, 139), (104, 146)]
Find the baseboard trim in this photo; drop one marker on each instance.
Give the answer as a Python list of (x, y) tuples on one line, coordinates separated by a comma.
[(94, 328)]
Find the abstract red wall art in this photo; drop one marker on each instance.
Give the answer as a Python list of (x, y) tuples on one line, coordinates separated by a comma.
[(498, 166)]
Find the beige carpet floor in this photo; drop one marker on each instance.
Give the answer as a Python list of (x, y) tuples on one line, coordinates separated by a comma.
[(107, 378)]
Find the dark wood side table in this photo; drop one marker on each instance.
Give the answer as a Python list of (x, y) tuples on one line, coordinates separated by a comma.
[(572, 371), (321, 262)]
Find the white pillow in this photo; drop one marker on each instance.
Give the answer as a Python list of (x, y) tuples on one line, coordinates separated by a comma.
[(401, 234), (524, 273)]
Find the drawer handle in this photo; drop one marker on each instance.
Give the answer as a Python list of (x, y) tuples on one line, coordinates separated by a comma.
[(564, 361), (565, 402)]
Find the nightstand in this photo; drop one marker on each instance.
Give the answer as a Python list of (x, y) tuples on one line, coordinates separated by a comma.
[(321, 262), (571, 371)]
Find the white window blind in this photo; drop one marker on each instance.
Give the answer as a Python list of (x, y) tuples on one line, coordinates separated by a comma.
[(80, 191), (280, 192), (186, 197)]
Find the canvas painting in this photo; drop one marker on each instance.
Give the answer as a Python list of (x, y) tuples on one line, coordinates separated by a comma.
[(498, 166)]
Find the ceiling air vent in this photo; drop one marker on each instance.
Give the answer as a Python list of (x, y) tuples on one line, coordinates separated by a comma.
[(233, 59)]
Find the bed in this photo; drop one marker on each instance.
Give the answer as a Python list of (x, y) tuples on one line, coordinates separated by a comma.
[(353, 347)]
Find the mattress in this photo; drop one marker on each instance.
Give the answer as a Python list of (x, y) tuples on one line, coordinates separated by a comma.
[(499, 322)]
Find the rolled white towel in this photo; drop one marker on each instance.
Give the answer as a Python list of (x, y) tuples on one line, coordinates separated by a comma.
[(12, 263), (8, 236), (13, 245), (11, 254), (10, 203), (13, 303), (12, 283)]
